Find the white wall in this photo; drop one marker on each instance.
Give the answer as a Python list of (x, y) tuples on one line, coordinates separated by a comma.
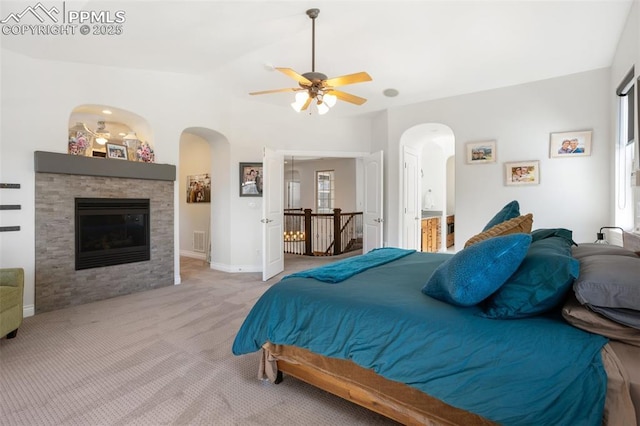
[(195, 159), (345, 181), (520, 118)]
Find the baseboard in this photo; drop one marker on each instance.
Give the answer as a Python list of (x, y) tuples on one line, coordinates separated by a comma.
[(28, 311), (235, 268), (193, 254)]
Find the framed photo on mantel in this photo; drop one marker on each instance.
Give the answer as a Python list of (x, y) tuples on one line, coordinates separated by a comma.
[(118, 152)]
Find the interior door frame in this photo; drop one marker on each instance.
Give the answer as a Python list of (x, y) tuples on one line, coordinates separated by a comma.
[(320, 154)]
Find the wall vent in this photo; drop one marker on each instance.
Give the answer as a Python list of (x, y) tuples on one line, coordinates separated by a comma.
[(199, 241)]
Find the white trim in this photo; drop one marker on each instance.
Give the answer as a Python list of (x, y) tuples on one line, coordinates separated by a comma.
[(235, 268), (193, 254), (323, 154), (28, 311)]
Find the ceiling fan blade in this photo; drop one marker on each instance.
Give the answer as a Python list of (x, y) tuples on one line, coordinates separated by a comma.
[(347, 97), (358, 77), (306, 104), (294, 75), (289, 89)]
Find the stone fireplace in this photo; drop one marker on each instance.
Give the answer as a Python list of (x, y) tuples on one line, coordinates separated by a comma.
[(60, 180)]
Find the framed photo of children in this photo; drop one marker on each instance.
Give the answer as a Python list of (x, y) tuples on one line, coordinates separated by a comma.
[(481, 152), (251, 179), (199, 188), (570, 144), (119, 152), (522, 173)]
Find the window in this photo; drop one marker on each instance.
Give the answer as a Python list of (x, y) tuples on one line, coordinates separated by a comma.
[(625, 91), (626, 215), (324, 191)]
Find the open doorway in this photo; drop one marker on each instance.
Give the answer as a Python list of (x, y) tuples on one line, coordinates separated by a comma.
[(204, 166), (364, 192), (319, 185), (428, 187)]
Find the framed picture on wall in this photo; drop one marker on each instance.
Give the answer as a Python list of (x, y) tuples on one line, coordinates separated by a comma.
[(199, 188), (481, 152), (570, 144), (251, 179), (118, 152), (522, 173)]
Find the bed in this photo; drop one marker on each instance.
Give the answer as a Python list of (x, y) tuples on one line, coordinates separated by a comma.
[(404, 334)]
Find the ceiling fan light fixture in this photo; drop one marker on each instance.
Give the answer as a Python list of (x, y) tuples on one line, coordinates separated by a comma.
[(322, 108), (301, 99), (329, 99)]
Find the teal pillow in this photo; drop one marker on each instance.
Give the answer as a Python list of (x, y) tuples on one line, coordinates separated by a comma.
[(540, 234), (540, 283), (474, 273), (508, 212)]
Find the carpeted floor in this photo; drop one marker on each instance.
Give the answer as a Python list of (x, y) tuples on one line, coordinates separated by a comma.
[(158, 357)]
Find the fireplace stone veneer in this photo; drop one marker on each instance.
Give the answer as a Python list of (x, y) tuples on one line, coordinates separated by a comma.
[(57, 283)]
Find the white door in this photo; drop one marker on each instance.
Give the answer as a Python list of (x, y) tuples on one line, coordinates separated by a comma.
[(272, 214), (411, 211), (372, 212)]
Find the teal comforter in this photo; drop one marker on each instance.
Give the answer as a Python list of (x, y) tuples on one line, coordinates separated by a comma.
[(534, 371)]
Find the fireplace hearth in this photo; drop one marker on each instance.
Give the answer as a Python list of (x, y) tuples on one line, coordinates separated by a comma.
[(111, 231)]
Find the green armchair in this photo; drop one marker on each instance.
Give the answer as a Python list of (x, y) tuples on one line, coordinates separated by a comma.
[(11, 293)]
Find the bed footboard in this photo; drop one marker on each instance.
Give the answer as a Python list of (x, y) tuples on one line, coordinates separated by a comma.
[(349, 381)]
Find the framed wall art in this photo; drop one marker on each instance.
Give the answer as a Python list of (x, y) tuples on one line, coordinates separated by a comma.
[(118, 152), (522, 173), (199, 188), (481, 152), (251, 179), (570, 144)]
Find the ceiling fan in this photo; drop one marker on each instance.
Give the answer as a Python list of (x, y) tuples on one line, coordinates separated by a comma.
[(315, 86)]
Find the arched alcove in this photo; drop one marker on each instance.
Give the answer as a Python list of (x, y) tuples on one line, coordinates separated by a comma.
[(106, 124)]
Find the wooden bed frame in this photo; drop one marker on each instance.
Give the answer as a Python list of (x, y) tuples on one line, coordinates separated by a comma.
[(361, 386)]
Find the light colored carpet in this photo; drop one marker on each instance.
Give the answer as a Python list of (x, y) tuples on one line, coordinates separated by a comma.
[(158, 357)]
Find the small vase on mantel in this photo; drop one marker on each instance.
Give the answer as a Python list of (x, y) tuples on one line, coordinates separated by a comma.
[(131, 141), (80, 140)]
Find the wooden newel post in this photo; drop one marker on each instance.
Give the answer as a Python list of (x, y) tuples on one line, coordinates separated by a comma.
[(337, 235), (307, 233)]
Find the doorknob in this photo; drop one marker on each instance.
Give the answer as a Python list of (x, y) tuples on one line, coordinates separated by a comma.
[(266, 220), (379, 220)]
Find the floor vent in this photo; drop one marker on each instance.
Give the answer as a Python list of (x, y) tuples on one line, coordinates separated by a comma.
[(199, 241)]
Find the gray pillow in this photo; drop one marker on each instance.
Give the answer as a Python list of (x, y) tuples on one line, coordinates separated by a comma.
[(609, 281), (592, 249), (584, 318), (621, 316)]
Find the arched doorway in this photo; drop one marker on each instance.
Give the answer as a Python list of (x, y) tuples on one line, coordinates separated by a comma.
[(427, 183), (205, 156)]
